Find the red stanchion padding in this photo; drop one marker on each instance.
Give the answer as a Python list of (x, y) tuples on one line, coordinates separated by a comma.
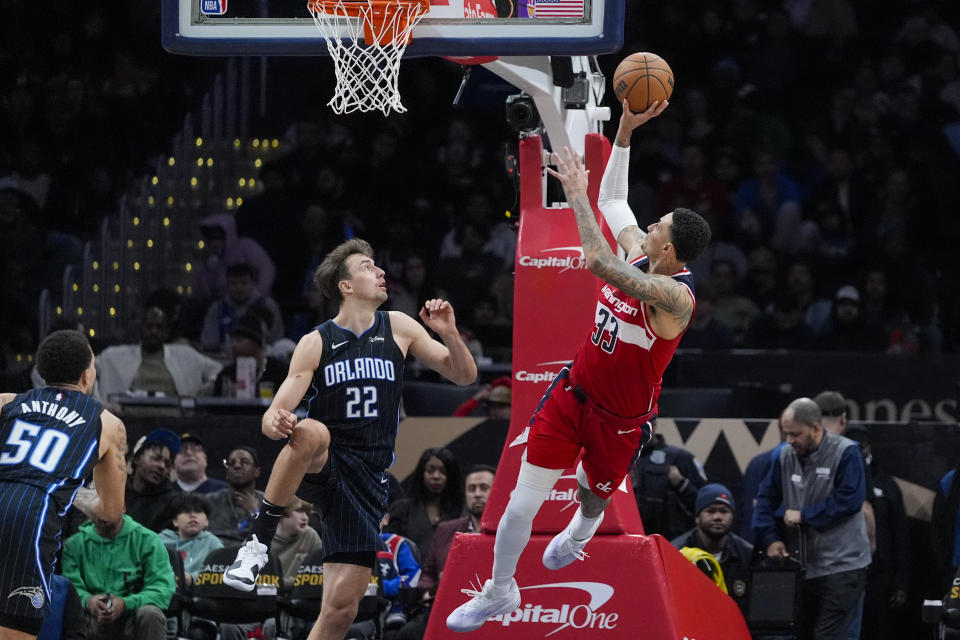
[(630, 588)]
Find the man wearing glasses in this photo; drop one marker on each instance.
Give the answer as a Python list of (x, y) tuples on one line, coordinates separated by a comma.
[(233, 509)]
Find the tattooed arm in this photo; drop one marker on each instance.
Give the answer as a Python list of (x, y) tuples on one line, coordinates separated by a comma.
[(110, 474), (669, 302)]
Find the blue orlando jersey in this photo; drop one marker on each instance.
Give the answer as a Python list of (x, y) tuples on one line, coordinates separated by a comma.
[(50, 440), (357, 387)]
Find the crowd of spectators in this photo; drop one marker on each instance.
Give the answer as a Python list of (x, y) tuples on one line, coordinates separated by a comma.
[(87, 102)]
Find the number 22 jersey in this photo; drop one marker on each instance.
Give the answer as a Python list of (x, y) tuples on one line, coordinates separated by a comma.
[(357, 388)]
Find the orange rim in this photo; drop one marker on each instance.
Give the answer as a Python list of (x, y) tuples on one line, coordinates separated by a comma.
[(374, 13)]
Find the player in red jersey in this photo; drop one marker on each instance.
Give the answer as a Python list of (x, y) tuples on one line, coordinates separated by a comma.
[(606, 400)]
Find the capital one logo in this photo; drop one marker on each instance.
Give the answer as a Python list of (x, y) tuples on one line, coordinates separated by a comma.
[(569, 495), (579, 616), (546, 375), (562, 258)]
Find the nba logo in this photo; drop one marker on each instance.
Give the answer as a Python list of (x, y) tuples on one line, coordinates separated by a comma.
[(213, 7)]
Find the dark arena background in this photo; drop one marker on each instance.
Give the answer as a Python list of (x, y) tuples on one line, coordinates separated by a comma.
[(821, 140)]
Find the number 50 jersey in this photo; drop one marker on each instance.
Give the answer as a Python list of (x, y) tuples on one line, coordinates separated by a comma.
[(621, 364), (49, 438), (357, 389)]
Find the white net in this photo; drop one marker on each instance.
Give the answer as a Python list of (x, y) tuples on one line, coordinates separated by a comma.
[(367, 73)]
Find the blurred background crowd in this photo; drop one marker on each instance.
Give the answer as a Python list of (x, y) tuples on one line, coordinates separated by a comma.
[(821, 139)]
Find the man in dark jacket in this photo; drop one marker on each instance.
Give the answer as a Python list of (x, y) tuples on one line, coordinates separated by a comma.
[(149, 489), (714, 519), (665, 482)]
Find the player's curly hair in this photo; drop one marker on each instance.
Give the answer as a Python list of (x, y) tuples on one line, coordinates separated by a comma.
[(63, 356), (690, 234), (333, 269)]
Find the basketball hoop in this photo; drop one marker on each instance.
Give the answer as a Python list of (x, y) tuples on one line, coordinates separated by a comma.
[(368, 73)]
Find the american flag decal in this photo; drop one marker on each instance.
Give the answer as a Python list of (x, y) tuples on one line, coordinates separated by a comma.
[(557, 8)]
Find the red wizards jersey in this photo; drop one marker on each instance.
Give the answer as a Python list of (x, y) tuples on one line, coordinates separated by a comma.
[(620, 366)]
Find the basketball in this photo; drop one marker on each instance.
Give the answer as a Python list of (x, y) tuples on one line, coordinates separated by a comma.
[(642, 78)]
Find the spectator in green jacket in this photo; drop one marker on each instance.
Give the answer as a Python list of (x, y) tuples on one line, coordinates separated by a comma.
[(122, 572)]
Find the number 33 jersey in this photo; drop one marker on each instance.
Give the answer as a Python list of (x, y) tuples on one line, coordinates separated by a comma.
[(357, 389), (621, 364)]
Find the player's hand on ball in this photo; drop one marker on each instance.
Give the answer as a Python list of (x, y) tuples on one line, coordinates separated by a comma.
[(437, 314), (630, 120)]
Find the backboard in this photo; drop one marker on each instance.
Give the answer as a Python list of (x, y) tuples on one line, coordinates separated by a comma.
[(451, 28)]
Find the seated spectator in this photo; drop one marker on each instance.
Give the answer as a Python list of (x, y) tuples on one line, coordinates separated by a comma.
[(877, 304), (468, 276), (241, 297), (837, 238), (759, 198), (782, 328), (233, 509), (492, 399), (733, 311), (315, 309), (190, 467), (847, 330), (705, 332), (294, 540), (793, 234), (712, 533), (477, 485), (399, 569), (478, 208), (123, 575), (247, 341), (152, 366), (494, 331), (760, 284), (189, 536), (801, 284), (435, 494), (149, 489), (693, 187), (221, 249)]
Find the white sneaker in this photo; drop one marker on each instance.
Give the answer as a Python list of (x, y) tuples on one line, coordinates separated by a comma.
[(482, 605), (563, 549), (251, 558)]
